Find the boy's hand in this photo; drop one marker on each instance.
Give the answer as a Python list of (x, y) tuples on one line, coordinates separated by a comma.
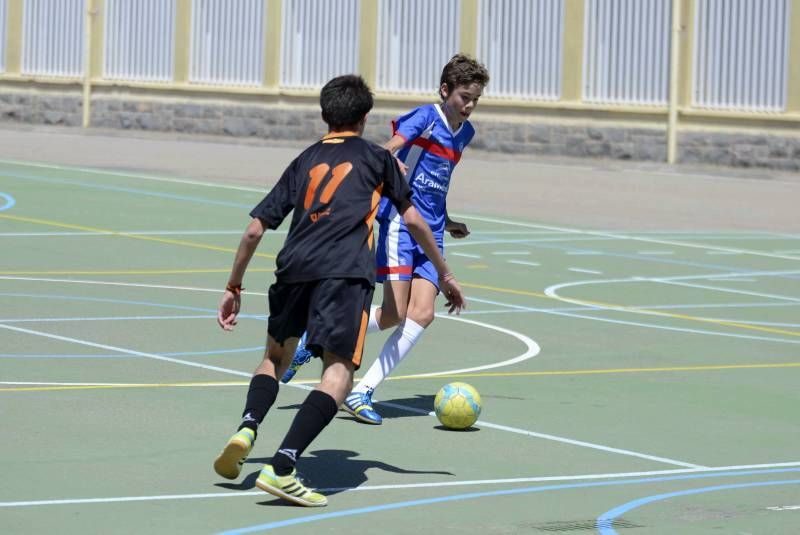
[(457, 230), (403, 167), (229, 307), (452, 292)]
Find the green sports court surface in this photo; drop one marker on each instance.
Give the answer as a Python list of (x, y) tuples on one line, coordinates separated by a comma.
[(632, 382)]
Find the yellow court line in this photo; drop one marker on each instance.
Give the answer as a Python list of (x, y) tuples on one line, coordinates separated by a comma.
[(624, 308), (603, 371), (133, 272), (439, 377), (610, 306), (169, 241)]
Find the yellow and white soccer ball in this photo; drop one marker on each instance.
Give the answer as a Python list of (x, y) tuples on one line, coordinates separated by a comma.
[(457, 405)]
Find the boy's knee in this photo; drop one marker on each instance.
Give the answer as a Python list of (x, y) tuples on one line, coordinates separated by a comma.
[(389, 318), (422, 316)]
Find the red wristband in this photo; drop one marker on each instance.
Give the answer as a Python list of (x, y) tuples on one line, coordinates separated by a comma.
[(235, 290)]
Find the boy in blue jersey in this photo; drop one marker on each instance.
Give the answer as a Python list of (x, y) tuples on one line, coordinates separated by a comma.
[(428, 141)]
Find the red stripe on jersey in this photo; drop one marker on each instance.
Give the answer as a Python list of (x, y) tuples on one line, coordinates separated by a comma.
[(392, 270), (438, 150)]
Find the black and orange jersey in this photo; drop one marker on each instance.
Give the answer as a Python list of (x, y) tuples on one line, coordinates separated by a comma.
[(334, 187)]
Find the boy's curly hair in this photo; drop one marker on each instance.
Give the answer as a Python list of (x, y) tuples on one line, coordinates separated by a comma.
[(463, 70)]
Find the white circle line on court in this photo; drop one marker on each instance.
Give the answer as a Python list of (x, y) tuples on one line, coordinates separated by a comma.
[(372, 488), (555, 312), (533, 349)]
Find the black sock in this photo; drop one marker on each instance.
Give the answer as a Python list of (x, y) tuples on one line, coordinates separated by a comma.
[(315, 413), (260, 397)]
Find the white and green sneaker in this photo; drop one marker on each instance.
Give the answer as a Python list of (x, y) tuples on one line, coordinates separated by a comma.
[(289, 488), (229, 462)]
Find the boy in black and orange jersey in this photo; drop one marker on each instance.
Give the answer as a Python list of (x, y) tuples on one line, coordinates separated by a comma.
[(324, 279)]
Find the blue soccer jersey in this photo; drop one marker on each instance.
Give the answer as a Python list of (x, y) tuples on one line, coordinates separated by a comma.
[(431, 152)]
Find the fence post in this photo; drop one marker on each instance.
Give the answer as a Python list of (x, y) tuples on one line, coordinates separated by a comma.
[(674, 70), (468, 33), (14, 10), (90, 12), (182, 44), (793, 82), (368, 41), (572, 62), (273, 13)]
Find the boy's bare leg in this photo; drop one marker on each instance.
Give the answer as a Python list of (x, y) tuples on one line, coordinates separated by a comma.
[(395, 303), (275, 359), (418, 316)]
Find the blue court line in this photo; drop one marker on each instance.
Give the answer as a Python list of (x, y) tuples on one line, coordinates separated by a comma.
[(117, 356), (104, 300), (10, 202), (505, 492), (605, 521), (121, 189)]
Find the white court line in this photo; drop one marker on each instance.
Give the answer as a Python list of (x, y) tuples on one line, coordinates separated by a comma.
[(554, 438), (556, 312), (140, 232), (126, 351), (784, 508), (655, 252), (726, 290), (135, 175), (732, 275), (465, 255), (589, 271), (533, 350), (372, 488), (731, 279), (106, 318), (559, 312), (618, 236), (524, 263), (124, 385)]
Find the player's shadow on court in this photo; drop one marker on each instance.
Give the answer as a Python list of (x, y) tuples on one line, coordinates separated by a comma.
[(329, 471)]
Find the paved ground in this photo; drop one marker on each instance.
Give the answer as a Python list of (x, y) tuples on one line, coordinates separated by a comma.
[(581, 193)]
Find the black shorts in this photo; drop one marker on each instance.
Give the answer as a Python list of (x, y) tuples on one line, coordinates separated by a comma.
[(334, 312)]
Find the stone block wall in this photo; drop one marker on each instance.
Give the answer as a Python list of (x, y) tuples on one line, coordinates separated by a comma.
[(303, 123)]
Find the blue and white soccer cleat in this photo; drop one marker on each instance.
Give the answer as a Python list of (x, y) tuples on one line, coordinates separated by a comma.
[(359, 404), (301, 356)]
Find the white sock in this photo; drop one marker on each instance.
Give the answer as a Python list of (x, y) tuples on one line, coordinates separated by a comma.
[(372, 326), (404, 337)]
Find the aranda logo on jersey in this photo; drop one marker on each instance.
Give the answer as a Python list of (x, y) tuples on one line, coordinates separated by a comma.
[(424, 183), (442, 170)]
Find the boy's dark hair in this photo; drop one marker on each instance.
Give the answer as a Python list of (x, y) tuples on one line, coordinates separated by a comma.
[(463, 70), (345, 100)]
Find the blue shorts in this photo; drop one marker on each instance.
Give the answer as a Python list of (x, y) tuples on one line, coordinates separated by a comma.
[(398, 257)]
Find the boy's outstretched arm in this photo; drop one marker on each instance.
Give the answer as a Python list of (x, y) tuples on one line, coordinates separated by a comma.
[(231, 300), (421, 232), (393, 145)]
